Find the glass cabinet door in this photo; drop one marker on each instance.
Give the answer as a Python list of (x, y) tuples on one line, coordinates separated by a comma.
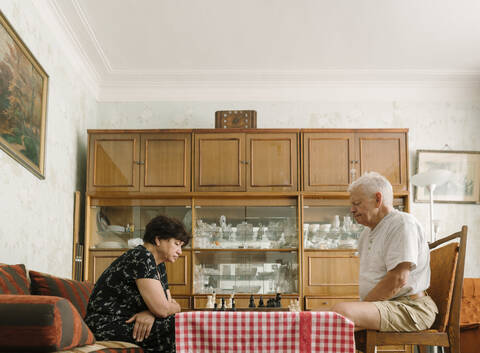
[(121, 227), (245, 272), (329, 225), (247, 227)]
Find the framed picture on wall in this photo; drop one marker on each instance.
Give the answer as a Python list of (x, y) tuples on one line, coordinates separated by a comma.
[(463, 186), (23, 101)]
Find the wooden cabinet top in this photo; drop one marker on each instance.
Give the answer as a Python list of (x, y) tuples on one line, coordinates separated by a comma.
[(266, 130)]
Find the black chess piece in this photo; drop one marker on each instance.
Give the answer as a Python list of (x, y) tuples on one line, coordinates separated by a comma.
[(278, 301), (270, 303), (233, 305), (252, 302), (215, 306), (260, 303), (222, 308)]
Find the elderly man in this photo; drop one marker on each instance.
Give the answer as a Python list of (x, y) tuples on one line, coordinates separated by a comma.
[(394, 263)]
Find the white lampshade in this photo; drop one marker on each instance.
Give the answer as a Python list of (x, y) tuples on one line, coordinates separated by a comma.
[(432, 177)]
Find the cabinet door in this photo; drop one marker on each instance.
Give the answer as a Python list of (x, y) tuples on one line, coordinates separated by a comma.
[(220, 162), (272, 162), (385, 153), (179, 275), (166, 162), (328, 157), (113, 162), (330, 273), (99, 260)]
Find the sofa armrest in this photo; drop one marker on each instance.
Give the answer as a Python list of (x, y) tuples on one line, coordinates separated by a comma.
[(40, 323)]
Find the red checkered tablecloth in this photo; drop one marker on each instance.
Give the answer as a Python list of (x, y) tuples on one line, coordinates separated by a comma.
[(279, 332)]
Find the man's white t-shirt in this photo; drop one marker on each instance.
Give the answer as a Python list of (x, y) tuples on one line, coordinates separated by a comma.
[(397, 238)]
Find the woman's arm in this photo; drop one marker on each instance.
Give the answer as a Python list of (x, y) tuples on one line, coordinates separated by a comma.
[(152, 293)]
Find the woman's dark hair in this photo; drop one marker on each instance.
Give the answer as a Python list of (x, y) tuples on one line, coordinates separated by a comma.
[(165, 227)]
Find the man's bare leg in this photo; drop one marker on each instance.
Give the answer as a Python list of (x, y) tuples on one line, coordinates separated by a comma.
[(364, 315)]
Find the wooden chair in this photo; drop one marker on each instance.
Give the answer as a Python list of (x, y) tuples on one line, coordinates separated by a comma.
[(446, 264)]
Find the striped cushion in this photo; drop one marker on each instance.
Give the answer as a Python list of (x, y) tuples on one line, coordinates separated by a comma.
[(107, 347), (75, 291), (34, 323), (13, 279)]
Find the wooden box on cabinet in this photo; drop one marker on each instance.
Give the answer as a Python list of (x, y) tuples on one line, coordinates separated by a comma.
[(264, 161), (144, 162), (333, 159)]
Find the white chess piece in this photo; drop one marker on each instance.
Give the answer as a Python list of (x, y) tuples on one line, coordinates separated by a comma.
[(210, 302)]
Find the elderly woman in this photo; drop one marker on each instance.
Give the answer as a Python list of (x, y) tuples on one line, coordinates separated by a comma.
[(131, 300)]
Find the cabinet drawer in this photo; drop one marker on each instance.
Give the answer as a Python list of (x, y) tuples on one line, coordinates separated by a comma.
[(184, 302), (325, 304)]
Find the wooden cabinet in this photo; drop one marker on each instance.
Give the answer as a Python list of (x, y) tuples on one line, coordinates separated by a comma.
[(246, 161), (143, 162), (179, 274), (330, 273), (332, 160), (99, 260)]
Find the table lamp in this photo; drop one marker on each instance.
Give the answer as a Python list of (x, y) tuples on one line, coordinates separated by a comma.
[(431, 179)]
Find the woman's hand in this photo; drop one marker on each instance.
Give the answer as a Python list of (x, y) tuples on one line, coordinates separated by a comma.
[(143, 325)]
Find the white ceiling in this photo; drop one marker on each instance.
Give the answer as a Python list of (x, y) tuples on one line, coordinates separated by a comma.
[(150, 43)]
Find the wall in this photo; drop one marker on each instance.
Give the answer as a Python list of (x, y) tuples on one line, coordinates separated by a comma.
[(36, 216), (435, 116)]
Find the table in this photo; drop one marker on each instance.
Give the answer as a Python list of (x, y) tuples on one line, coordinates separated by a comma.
[(279, 332)]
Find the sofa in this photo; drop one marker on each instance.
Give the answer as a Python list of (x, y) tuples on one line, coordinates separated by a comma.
[(470, 316), (43, 313)]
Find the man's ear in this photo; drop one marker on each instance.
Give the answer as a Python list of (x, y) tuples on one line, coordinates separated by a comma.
[(378, 199)]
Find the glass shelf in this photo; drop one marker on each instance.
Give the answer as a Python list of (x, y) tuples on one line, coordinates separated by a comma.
[(248, 227), (240, 272), (121, 227)]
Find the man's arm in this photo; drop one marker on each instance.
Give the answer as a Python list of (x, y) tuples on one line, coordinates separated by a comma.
[(391, 284)]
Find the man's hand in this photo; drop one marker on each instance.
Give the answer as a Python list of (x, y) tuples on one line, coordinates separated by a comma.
[(143, 325)]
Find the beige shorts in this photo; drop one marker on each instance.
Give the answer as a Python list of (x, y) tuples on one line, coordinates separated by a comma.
[(404, 314)]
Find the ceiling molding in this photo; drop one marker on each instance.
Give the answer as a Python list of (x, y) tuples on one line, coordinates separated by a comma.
[(91, 34), (61, 28), (289, 91), (116, 84)]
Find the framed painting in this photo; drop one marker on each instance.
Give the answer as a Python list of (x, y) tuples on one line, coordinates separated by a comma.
[(463, 186), (23, 101)]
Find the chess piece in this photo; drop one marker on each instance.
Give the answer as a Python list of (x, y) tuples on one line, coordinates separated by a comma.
[(230, 301), (233, 304), (260, 303), (210, 302), (222, 308), (215, 307), (252, 302), (278, 301), (270, 303)]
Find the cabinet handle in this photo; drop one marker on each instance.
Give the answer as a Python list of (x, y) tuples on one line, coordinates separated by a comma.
[(139, 162), (244, 162)]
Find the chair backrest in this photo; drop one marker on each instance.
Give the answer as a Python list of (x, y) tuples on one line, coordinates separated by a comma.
[(447, 264)]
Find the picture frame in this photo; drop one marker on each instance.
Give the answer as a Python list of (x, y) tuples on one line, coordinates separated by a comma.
[(463, 187), (23, 101)]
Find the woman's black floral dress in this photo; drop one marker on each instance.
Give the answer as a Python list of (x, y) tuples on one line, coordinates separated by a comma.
[(116, 298)]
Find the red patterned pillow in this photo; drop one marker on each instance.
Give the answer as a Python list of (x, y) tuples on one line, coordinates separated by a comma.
[(76, 291), (13, 279), (37, 323)]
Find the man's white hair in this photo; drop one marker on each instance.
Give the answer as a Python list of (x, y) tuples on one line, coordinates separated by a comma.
[(371, 183)]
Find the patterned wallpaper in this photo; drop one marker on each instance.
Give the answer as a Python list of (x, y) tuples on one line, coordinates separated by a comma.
[(36, 216)]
